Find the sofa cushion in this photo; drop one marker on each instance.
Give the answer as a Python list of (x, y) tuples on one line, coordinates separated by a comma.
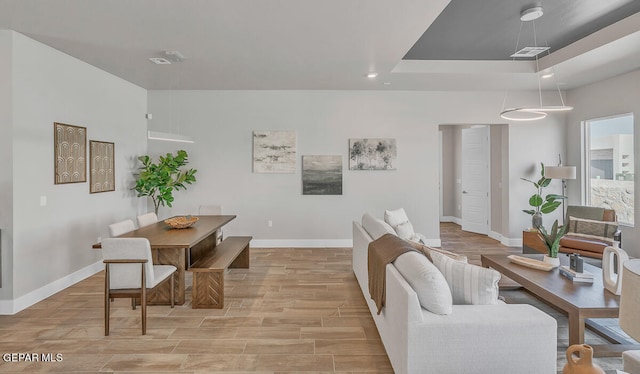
[(427, 281), (585, 244), (469, 284), (400, 222), (375, 226)]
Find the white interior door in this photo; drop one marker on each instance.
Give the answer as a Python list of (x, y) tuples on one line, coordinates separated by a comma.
[(475, 179)]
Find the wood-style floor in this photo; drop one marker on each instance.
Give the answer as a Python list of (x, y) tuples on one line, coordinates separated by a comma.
[(294, 310)]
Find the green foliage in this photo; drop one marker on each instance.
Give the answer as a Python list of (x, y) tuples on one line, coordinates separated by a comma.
[(158, 181), (546, 204), (552, 238)]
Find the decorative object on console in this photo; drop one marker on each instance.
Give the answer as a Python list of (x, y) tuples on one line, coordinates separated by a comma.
[(322, 175), (563, 173), (612, 278), (584, 364), (534, 111), (70, 153), (551, 240), (541, 205), (274, 152), (102, 166), (158, 181), (181, 222), (531, 263), (372, 154), (629, 316)]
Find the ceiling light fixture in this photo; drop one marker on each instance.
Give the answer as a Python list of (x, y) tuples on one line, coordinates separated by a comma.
[(169, 137), (538, 111), (372, 75)]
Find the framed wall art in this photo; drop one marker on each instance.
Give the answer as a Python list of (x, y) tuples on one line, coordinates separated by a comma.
[(274, 152), (102, 166), (70, 153), (372, 154), (322, 175)]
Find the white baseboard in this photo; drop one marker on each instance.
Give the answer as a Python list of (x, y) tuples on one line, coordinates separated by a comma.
[(512, 242), (495, 236), (453, 219), (433, 243), (8, 307), (301, 243)]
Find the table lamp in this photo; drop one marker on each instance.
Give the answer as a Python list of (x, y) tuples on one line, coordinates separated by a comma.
[(630, 312)]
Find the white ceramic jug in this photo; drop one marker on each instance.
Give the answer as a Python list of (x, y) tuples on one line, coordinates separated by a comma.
[(612, 278)]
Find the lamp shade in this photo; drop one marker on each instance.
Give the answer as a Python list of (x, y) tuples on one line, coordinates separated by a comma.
[(630, 298), (560, 172)]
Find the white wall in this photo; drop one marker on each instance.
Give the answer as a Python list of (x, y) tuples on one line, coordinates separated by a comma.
[(610, 97), (222, 123), (52, 244), (6, 177)]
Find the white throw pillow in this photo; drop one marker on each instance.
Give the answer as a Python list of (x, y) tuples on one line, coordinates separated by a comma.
[(375, 226), (400, 222), (427, 281), (470, 284), (395, 217)]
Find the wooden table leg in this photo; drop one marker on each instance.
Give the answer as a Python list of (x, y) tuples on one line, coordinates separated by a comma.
[(576, 328), (175, 257)]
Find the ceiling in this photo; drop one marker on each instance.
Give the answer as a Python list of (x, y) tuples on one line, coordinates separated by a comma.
[(333, 44)]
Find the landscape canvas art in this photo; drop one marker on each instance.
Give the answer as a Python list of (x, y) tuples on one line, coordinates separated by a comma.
[(322, 175), (372, 154), (274, 152)]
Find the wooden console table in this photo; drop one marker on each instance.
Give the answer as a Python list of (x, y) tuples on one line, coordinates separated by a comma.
[(180, 248), (532, 244)]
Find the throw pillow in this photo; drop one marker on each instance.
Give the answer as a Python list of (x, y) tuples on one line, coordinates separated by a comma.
[(588, 228), (427, 281), (375, 226), (427, 251), (400, 222), (470, 284), (395, 217)]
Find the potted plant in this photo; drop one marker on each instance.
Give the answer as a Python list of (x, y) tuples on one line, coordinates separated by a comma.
[(159, 180), (551, 240), (541, 205)]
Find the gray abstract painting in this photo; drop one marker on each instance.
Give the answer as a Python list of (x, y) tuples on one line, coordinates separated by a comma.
[(322, 175), (372, 154), (274, 152)]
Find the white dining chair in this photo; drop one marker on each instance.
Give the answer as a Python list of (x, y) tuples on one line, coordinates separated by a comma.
[(119, 228), (147, 219), (130, 273), (212, 210)]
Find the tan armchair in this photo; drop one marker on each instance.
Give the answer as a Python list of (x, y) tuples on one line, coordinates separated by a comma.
[(589, 231)]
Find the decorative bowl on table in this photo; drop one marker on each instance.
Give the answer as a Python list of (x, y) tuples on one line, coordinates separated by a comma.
[(181, 222)]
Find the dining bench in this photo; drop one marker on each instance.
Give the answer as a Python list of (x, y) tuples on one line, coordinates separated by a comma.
[(208, 272)]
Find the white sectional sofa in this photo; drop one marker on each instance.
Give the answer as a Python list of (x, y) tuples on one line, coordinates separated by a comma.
[(500, 338)]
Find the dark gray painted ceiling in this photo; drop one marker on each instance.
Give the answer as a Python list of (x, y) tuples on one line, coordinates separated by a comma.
[(488, 29)]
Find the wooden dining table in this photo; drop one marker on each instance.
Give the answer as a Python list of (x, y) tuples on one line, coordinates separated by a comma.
[(180, 248)]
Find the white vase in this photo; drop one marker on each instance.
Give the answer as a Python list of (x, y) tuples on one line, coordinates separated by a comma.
[(555, 261), (612, 278)]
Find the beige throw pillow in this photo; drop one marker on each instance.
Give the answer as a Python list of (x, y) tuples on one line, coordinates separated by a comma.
[(592, 229), (427, 251), (469, 284)]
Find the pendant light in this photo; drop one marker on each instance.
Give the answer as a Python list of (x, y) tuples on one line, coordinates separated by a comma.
[(538, 110)]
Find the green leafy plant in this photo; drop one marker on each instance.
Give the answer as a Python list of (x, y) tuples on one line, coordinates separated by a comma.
[(546, 204), (158, 181), (552, 238)]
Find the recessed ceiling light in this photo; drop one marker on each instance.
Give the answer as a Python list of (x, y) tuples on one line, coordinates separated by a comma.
[(372, 75), (159, 61), (387, 83), (547, 75)]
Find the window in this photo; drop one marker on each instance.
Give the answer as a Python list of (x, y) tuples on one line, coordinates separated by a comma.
[(609, 163)]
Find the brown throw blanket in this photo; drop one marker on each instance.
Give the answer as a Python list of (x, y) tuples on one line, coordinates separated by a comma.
[(382, 251)]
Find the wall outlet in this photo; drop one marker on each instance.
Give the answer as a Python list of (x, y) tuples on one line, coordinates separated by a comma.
[(270, 223), (99, 239), (43, 200)]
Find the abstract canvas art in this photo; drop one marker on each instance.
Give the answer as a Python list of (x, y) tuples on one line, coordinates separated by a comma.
[(274, 152), (70, 153), (322, 175), (372, 154), (102, 166)]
